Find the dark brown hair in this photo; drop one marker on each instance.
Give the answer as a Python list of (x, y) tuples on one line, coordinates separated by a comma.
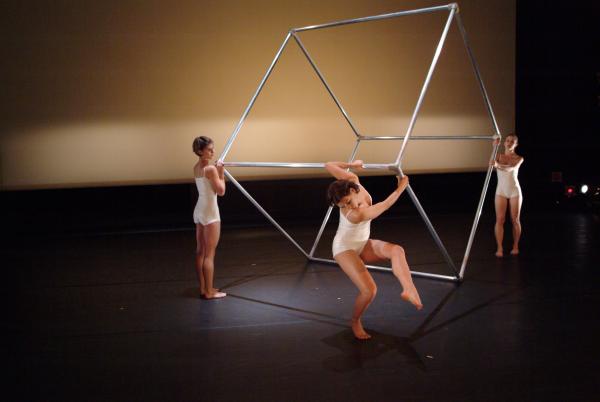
[(339, 189), (200, 143)]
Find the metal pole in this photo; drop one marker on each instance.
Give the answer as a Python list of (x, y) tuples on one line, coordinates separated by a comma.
[(328, 214), (434, 234), (335, 99), (486, 183), (387, 269), (375, 17), (427, 137), (306, 165), (258, 90), (438, 51), (257, 205), (488, 175), (486, 99)]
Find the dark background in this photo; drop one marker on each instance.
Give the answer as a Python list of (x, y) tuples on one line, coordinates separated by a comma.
[(557, 119)]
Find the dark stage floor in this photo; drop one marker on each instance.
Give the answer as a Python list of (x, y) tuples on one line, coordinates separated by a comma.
[(116, 317)]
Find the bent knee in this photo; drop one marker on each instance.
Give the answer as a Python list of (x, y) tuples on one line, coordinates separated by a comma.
[(397, 250), (370, 292)]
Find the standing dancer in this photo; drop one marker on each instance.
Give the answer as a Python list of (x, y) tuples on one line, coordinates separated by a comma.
[(508, 193), (210, 182), (352, 247)]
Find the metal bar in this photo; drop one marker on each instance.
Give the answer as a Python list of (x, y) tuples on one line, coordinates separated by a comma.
[(374, 18), (486, 183), (328, 214), (484, 93), (427, 137), (490, 111), (387, 269), (251, 103), (434, 61), (318, 72), (306, 165), (257, 205), (434, 234)]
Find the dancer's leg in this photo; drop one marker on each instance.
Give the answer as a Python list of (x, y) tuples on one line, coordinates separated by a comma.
[(377, 250), (200, 257), (212, 232), (354, 267), (515, 216), (500, 203)]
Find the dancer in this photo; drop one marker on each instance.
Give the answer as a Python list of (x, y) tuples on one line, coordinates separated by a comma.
[(352, 247), (508, 193), (210, 182)]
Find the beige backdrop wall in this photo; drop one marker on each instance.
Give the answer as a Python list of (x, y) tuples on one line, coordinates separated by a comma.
[(111, 93)]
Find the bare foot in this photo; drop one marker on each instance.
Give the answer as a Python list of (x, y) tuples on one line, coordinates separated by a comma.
[(413, 298), (359, 331), (514, 251), (499, 254), (203, 293), (215, 295)]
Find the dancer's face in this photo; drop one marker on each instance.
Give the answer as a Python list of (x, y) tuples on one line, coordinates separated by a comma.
[(510, 143), (208, 152), (351, 201)]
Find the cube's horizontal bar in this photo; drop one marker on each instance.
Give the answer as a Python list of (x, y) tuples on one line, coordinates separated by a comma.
[(380, 166), (427, 137), (387, 269), (377, 17)]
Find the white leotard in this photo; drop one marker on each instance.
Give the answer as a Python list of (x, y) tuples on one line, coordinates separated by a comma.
[(508, 183), (351, 236), (207, 209)]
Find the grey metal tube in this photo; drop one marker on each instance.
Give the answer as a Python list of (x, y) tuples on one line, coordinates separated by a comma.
[(434, 234), (387, 269), (486, 183), (306, 165), (318, 72), (257, 205), (375, 17), (484, 93), (251, 103), (436, 56), (328, 214), (427, 137)]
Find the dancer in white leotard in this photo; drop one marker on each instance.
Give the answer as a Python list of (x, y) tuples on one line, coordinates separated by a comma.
[(508, 193), (352, 247), (210, 182)]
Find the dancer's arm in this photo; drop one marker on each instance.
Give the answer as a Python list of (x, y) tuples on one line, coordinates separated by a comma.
[(216, 177), (338, 170), (372, 212)]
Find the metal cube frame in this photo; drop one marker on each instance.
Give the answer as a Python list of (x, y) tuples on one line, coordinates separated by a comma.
[(396, 166)]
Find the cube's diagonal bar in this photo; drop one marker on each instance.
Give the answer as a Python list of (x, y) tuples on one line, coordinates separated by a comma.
[(328, 214), (486, 183), (269, 217), (253, 99), (488, 175), (431, 229), (387, 269), (436, 56), (375, 18), (318, 72)]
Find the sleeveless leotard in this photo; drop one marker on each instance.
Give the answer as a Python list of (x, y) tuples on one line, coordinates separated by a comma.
[(508, 183), (351, 236), (207, 209)]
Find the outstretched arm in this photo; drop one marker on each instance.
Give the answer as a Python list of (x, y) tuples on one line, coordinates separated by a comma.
[(338, 170), (372, 212)]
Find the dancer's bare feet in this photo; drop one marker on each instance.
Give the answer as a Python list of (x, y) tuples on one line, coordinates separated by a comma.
[(203, 293), (214, 295), (413, 298), (359, 331), (514, 251), (499, 254)]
